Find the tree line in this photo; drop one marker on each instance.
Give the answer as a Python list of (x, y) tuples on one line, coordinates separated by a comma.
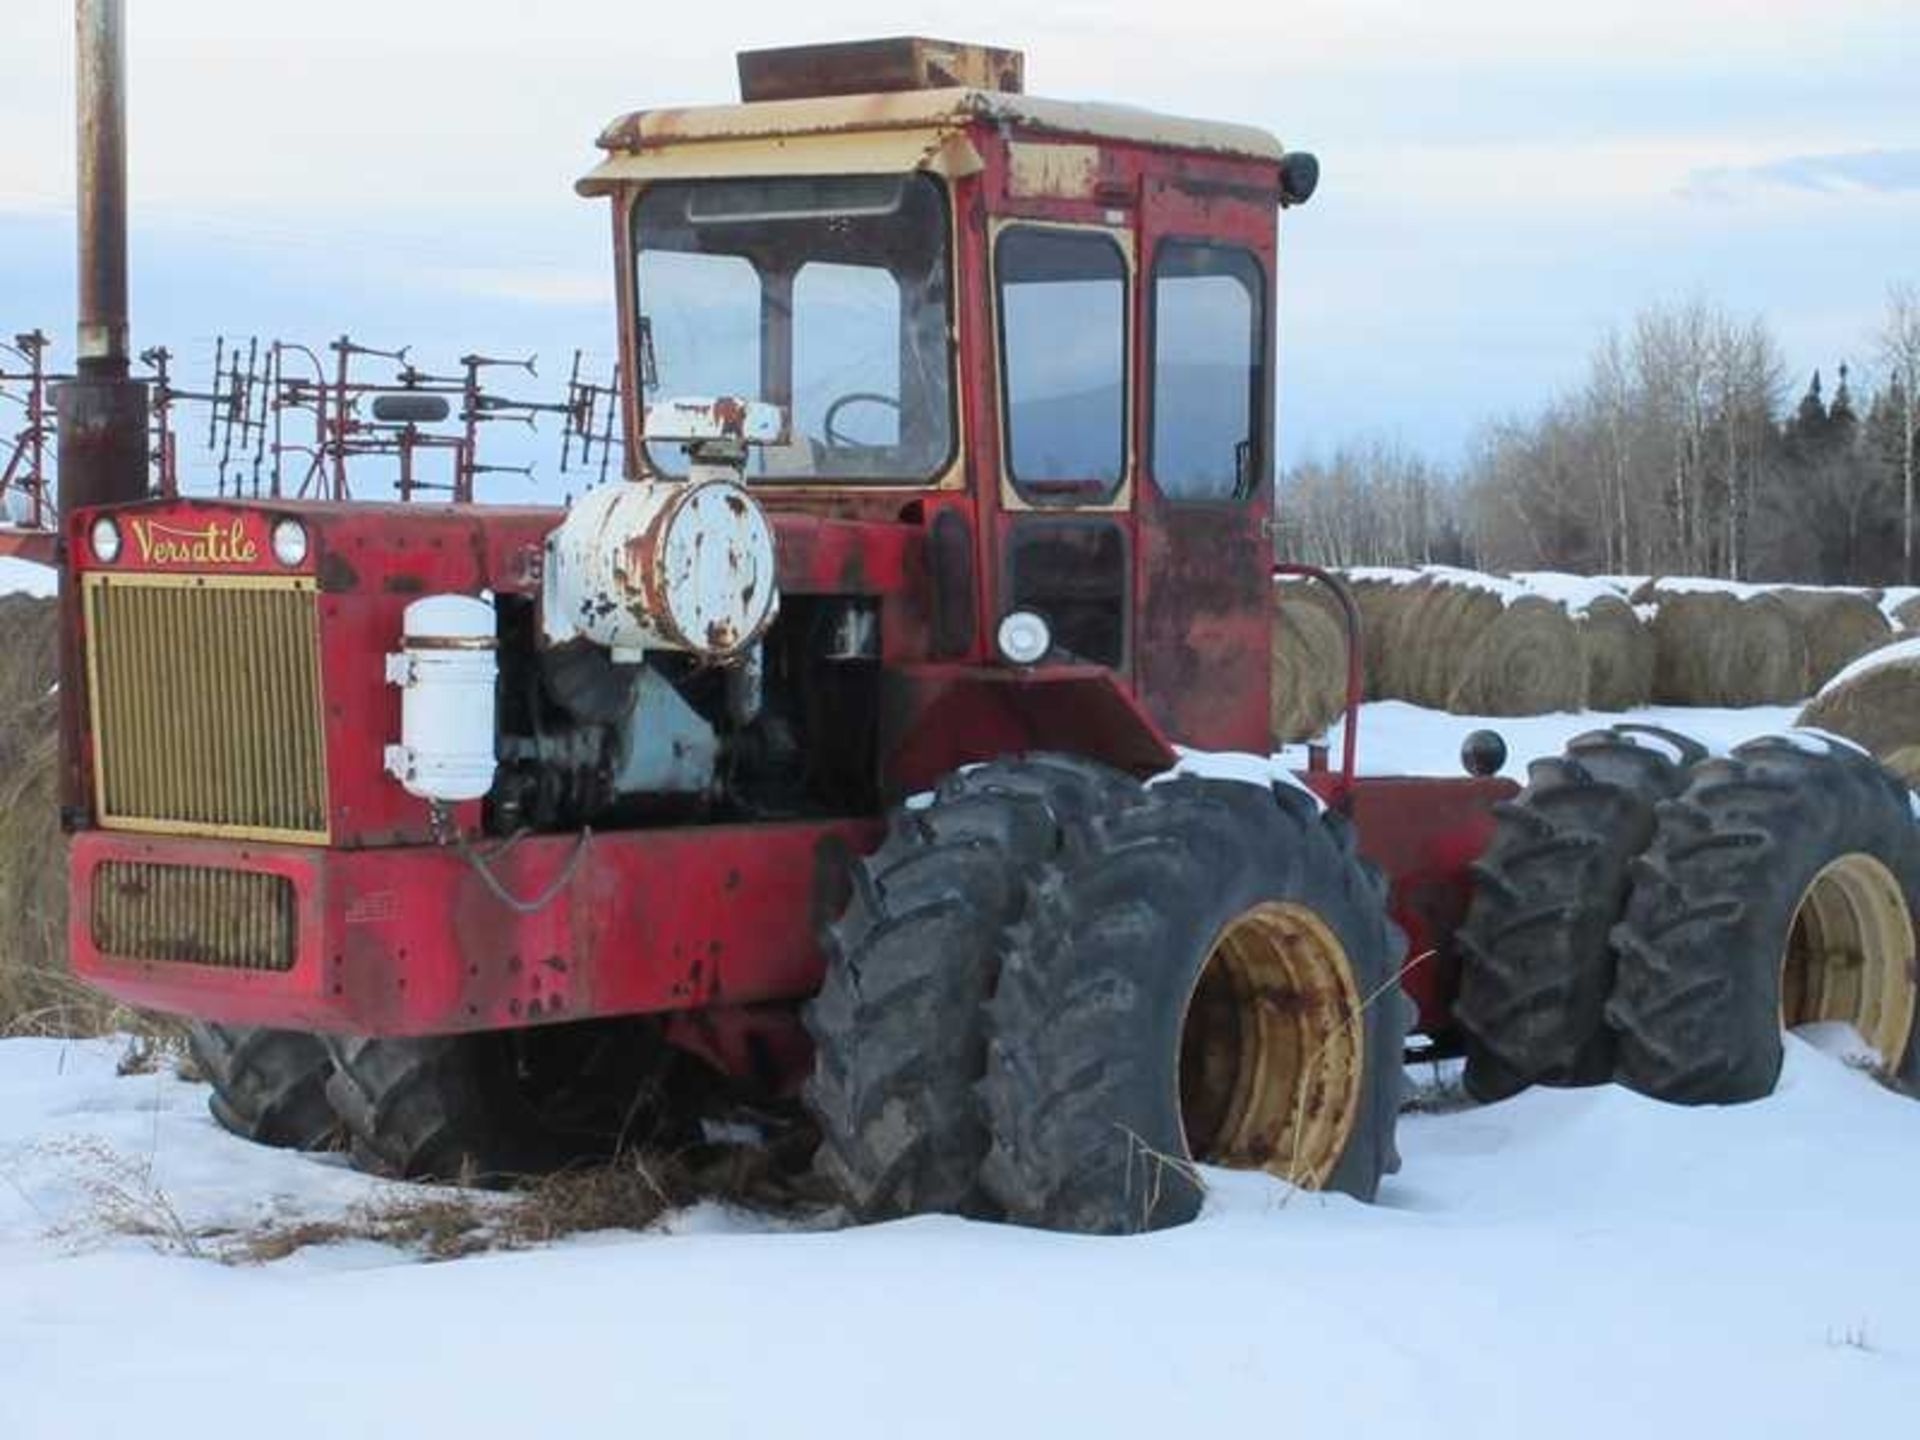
[(1687, 449)]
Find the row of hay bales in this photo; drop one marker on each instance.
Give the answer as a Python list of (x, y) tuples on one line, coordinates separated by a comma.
[(1723, 645), (1534, 644)]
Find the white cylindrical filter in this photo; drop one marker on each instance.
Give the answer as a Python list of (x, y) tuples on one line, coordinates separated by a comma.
[(446, 670), (643, 565)]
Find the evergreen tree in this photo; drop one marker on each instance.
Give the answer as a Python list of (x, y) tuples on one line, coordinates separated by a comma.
[(1842, 423), (1808, 428)]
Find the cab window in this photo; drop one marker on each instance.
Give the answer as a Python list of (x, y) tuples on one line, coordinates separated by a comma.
[(827, 295), (1063, 337), (1208, 415)]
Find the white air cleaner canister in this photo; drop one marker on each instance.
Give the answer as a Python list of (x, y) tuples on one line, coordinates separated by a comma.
[(643, 565), (445, 669)]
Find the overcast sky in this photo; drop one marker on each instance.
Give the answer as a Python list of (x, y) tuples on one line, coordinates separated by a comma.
[(1501, 180)]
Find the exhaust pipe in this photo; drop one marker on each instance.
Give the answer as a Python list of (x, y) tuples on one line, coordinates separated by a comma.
[(102, 414)]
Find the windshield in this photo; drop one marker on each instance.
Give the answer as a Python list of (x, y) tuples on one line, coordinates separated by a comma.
[(826, 295)]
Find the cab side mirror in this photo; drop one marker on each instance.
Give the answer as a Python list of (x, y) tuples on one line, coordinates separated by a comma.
[(1299, 178)]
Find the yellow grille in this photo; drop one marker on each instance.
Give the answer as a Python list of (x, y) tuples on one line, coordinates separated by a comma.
[(205, 694), (192, 915)]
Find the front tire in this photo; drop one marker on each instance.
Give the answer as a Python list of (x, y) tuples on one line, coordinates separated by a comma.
[(1208, 978), (269, 1086), (898, 1032), (493, 1107), (1780, 889)]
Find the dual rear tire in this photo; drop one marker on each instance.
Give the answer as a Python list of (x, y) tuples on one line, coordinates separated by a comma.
[(1537, 960), (1649, 915), (1779, 892), (1128, 983), (897, 1027), (1206, 978)]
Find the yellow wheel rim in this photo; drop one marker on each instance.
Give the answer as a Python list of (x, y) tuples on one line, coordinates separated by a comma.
[(1272, 1049), (1850, 956)]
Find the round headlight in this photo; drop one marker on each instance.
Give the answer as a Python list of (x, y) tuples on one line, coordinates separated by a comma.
[(104, 540), (1023, 638), (290, 542)]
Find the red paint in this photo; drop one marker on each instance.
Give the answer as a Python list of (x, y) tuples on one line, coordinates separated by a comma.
[(410, 941), (1424, 834)]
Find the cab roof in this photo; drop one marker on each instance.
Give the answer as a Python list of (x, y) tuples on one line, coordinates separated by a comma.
[(922, 121)]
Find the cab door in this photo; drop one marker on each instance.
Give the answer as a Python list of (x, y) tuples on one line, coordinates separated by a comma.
[(1205, 436), (1064, 306)]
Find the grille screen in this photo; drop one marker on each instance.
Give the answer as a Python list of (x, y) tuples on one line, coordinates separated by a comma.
[(206, 706), (189, 914)]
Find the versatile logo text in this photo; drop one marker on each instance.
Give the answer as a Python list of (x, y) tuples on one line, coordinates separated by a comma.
[(214, 544)]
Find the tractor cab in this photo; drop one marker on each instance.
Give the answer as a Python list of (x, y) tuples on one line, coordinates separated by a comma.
[(1040, 332)]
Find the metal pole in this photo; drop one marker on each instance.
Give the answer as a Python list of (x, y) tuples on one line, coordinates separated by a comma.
[(100, 66), (103, 414)]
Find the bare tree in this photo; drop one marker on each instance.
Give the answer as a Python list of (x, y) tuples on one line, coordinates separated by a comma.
[(1609, 400), (1673, 366), (1900, 353), (1746, 380), (1373, 503)]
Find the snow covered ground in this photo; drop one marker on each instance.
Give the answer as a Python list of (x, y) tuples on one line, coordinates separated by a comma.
[(1567, 1263)]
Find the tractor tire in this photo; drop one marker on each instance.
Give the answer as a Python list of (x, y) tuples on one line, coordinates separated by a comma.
[(1537, 965), (898, 1029), (1207, 978), (1780, 888), (491, 1108), (269, 1086)]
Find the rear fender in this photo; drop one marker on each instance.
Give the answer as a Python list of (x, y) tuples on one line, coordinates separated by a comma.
[(1425, 835)]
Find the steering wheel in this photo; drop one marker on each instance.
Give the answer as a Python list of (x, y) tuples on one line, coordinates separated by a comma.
[(854, 397)]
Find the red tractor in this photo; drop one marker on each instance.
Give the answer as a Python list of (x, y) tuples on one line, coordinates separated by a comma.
[(817, 747)]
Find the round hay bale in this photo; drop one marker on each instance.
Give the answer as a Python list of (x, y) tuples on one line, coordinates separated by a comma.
[(1380, 595), (1458, 617), (36, 991), (1619, 652), (1905, 762), (1309, 675), (1715, 648), (1301, 594), (1841, 626), (1375, 599), (1877, 705), (1403, 632), (1906, 612), (35, 988), (1526, 659), (29, 661)]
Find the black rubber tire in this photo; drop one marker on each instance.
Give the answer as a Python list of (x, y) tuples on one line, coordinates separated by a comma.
[(1537, 963), (1698, 999), (897, 1026), (269, 1086), (488, 1109), (1083, 1073)]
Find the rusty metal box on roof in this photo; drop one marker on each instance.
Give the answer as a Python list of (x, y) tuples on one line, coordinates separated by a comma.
[(873, 67)]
